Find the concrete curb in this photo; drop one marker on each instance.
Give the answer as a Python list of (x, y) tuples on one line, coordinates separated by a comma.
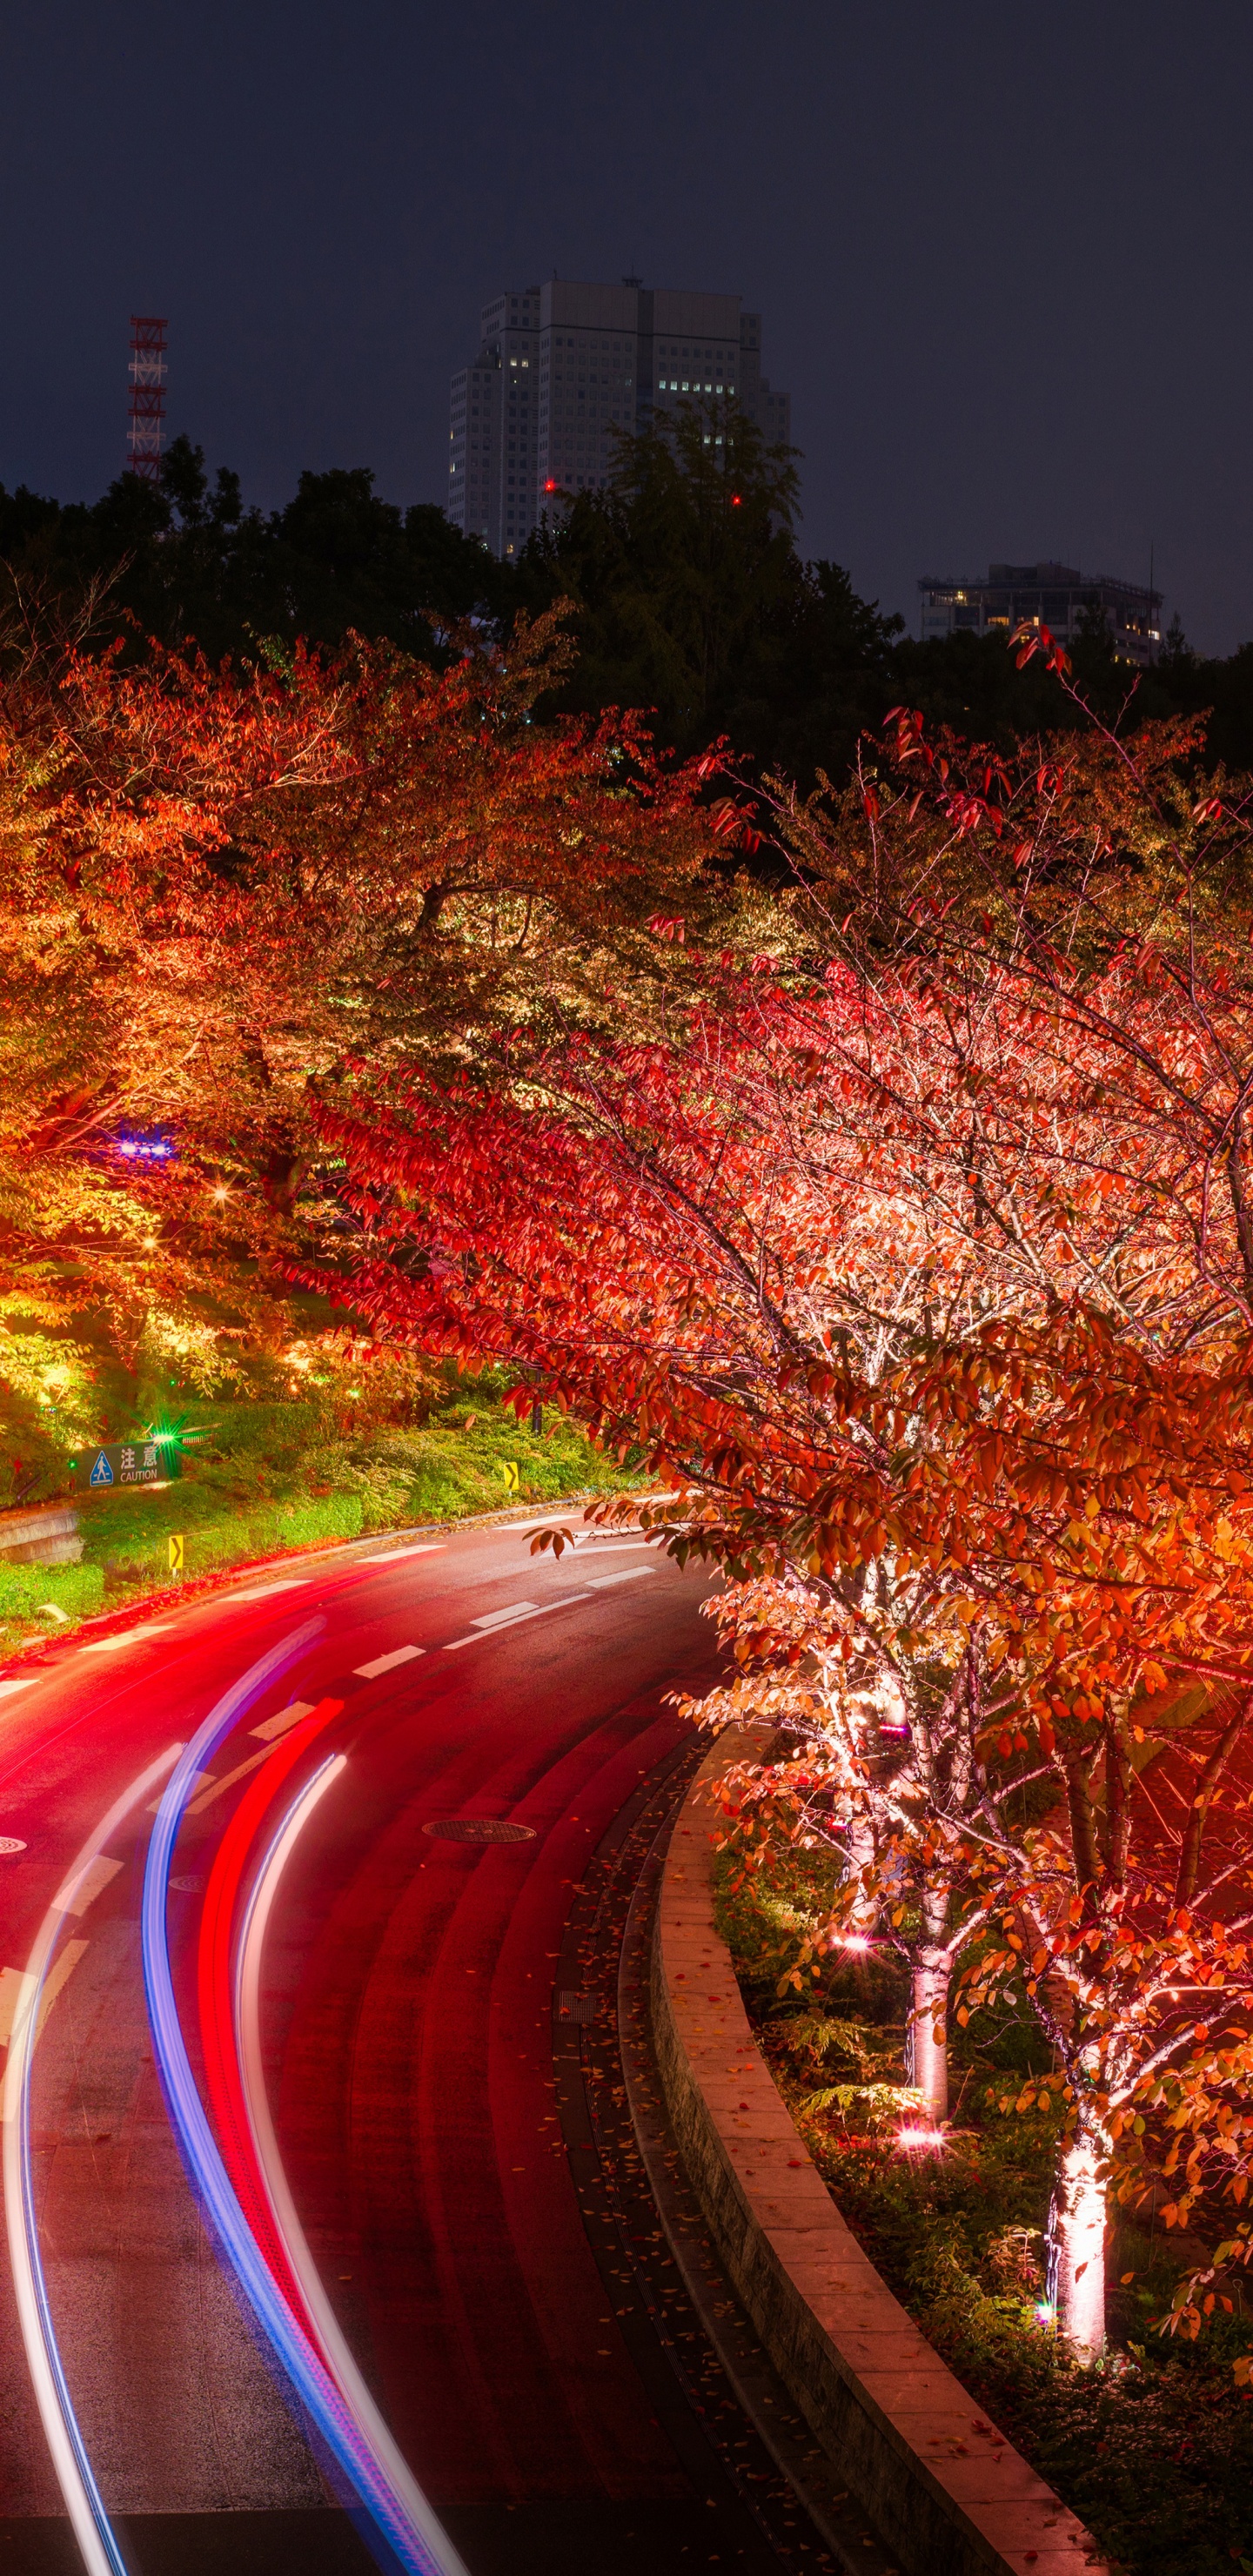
[(950, 2497)]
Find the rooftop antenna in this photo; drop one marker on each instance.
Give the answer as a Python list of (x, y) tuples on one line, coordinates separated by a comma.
[(145, 436)]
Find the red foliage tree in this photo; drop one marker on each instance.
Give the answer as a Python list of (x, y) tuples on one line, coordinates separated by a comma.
[(992, 1516), (1102, 881)]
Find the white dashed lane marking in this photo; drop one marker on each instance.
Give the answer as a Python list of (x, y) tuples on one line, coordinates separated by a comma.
[(78, 1893), (128, 1637), (287, 1717), (609, 1546), (196, 1806), (494, 1621), (13, 1986), (155, 1808), (265, 1591), (73, 1897), (387, 1663), (629, 1574), (394, 1555)]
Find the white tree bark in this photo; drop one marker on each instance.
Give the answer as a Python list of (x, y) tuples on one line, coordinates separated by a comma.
[(928, 2041), (1076, 2242)]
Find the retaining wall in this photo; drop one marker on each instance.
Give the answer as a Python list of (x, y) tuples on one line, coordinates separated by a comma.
[(42, 1534)]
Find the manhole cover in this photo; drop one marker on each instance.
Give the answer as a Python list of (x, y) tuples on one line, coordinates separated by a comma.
[(10, 1843), (478, 1829)]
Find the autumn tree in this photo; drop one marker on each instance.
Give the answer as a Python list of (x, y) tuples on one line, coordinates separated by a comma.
[(952, 1405), (878, 1700), (1101, 882), (214, 883), (1125, 1917), (1094, 1861)]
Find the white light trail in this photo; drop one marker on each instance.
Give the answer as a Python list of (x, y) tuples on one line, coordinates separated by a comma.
[(369, 2422), (83, 2501)]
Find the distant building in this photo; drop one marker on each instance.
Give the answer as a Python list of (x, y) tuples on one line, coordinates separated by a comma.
[(1045, 594), (560, 366)]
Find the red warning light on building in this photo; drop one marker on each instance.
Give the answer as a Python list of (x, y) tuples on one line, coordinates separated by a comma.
[(146, 435)]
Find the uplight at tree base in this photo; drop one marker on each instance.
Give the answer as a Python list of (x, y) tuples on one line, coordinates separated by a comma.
[(909, 2139)]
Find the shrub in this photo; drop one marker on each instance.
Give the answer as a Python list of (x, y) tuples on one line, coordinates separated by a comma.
[(76, 1590)]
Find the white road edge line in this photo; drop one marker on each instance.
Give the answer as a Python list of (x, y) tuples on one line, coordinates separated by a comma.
[(83, 2501), (352, 2388)]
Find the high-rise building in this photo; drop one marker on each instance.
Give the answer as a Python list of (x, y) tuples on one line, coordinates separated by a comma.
[(560, 366), (1044, 594)]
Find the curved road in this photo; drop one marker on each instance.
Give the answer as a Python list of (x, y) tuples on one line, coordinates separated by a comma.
[(439, 2034)]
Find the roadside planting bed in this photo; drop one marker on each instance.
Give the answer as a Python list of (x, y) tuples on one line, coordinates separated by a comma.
[(1154, 2449)]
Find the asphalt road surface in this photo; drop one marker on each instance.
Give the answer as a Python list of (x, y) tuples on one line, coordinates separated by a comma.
[(443, 2060)]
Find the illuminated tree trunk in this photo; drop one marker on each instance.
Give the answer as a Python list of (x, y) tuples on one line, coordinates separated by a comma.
[(859, 1867), (928, 2012), (1076, 2246)]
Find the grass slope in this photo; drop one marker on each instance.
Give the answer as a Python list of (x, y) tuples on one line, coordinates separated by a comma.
[(263, 1478)]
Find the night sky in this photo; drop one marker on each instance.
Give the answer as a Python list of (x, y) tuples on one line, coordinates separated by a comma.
[(1002, 251)]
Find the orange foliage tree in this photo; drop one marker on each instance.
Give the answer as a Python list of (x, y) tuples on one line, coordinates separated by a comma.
[(211, 881)]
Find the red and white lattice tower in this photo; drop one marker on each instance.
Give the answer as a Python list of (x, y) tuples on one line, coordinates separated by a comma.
[(147, 414)]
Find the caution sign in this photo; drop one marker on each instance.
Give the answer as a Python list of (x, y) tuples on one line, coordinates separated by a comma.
[(176, 1552), (509, 1470), (129, 1462)]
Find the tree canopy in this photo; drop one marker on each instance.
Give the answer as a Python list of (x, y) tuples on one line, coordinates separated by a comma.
[(915, 1256), (693, 595), (218, 888), (183, 562), (894, 1197)]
